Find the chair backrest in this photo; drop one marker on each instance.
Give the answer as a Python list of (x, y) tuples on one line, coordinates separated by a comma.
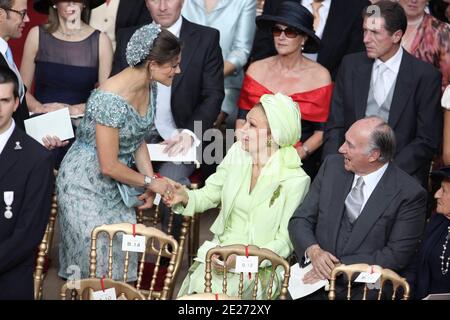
[(84, 288), (262, 254), (207, 296), (155, 221), (158, 244), (44, 249), (351, 272)]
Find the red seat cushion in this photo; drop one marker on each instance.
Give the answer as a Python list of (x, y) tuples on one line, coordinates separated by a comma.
[(148, 274)]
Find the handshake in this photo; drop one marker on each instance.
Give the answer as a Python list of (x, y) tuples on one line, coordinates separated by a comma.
[(171, 193)]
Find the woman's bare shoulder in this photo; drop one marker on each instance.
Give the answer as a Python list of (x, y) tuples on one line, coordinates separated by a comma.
[(258, 68), (319, 73)]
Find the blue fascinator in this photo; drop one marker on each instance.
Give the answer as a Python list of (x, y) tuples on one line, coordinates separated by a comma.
[(141, 42)]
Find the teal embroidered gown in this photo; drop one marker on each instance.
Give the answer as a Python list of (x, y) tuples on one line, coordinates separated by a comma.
[(86, 197)]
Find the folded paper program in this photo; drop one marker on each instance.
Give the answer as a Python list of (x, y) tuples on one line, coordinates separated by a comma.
[(297, 288)]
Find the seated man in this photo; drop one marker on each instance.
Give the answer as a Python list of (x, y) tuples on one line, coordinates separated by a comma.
[(361, 208), (26, 182)]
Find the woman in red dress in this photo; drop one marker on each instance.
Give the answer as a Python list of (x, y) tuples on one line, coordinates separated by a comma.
[(289, 72)]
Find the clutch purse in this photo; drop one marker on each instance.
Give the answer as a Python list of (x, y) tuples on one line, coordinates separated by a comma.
[(130, 195)]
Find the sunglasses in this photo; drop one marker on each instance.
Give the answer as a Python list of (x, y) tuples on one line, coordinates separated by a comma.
[(288, 32)]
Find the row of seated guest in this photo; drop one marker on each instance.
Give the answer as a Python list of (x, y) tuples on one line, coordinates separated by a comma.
[(283, 32)]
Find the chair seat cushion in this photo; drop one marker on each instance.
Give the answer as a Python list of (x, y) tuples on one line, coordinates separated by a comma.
[(147, 276)]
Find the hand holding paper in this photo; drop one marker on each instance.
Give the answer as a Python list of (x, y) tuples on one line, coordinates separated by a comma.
[(178, 144), (297, 287), (56, 123)]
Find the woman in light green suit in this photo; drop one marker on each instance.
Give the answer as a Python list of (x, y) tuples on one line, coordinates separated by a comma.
[(259, 184)]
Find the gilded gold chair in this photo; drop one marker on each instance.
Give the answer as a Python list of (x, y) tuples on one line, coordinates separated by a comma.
[(44, 249), (155, 221), (84, 288), (262, 254), (351, 272), (207, 296), (158, 244)]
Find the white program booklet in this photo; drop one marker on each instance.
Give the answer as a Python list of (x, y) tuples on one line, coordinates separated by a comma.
[(157, 153), (437, 296), (297, 289), (55, 123)]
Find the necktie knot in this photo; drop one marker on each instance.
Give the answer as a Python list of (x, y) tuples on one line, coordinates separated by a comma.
[(359, 183), (355, 200)]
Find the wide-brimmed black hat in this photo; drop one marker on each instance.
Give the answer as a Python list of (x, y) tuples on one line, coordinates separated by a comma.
[(442, 173), (294, 15), (42, 6)]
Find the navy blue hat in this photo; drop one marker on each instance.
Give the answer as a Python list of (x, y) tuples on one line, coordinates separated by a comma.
[(294, 15), (41, 6), (443, 173)]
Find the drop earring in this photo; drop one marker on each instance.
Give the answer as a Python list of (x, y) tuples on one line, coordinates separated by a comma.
[(269, 143)]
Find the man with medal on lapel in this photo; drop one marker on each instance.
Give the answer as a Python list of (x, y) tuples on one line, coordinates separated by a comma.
[(26, 183)]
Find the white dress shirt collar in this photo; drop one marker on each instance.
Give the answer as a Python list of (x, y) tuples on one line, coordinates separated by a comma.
[(393, 63), (3, 46), (4, 137), (176, 27), (370, 182), (164, 122)]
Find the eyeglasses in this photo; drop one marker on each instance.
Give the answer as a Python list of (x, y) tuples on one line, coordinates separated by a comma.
[(22, 13), (288, 32)]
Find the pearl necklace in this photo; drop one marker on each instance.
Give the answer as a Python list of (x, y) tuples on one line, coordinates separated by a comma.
[(444, 248)]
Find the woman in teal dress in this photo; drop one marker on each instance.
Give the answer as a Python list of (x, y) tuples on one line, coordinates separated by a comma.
[(111, 135), (259, 184)]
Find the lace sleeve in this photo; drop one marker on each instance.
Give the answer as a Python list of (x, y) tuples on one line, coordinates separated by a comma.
[(107, 109)]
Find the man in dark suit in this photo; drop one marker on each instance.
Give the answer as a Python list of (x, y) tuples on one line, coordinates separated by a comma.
[(191, 105), (361, 208), (26, 183), (388, 82), (12, 20), (115, 15), (339, 27)]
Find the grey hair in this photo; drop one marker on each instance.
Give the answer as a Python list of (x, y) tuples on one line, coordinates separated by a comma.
[(382, 138)]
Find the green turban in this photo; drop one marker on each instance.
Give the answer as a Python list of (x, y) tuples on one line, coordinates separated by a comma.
[(284, 118)]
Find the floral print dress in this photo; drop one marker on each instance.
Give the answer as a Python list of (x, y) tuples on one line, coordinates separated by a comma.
[(86, 197)]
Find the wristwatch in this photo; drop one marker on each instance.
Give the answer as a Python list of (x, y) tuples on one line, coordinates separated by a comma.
[(148, 181)]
